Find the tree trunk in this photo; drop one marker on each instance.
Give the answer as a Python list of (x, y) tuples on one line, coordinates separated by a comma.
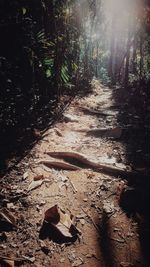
[(97, 49), (141, 56), (112, 50)]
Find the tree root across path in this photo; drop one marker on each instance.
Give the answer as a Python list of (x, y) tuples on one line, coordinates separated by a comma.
[(96, 112), (104, 132), (58, 165), (83, 160)]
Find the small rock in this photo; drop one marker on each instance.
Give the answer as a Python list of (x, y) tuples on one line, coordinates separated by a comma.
[(70, 258), (108, 207), (13, 245), (81, 216), (89, 255), (77, 262), (70, 118), (32, 259), (62, 260), (64, 179), (11, 206), (82, 221), (126, 264), (42, 202), (3, 236), (25, 176)]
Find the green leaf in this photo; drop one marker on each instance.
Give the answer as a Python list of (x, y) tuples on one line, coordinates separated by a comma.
[(74, 66), (65, 74), (48, 73), (41, 36), (49, 62), (24, 10)]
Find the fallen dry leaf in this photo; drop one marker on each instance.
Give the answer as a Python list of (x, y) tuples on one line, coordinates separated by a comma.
[(70, 118), (77, 263), (38, 177), (8, 216), (52, 215), (30, 259), (35, 184), (62, 221), (25, 175)]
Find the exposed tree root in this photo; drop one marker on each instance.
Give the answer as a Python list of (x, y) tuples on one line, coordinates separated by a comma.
[(110, 132), (93, 165), (59, 165), (95, 112)]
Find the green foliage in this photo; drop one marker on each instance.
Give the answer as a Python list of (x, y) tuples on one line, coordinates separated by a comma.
[(65, 74), (103, 75), (48, 64), (43, 40), (24, 10)]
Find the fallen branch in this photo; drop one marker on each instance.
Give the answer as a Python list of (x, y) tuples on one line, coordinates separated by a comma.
[(11, 258), (95, 112), (93, 165), (8, 216), (118, 240), (59, 165), (90, 217), (73, 186), (104, 132)]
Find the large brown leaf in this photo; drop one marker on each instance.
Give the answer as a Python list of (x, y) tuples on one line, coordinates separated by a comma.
[(61, 220)]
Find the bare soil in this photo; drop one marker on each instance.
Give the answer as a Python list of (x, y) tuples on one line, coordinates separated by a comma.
[(108, 237)]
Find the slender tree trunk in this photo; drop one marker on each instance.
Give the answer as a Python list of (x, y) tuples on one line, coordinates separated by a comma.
[(134, 56), (141, 56), (127, 60), (112, 50), (97, 49), (126, 78)]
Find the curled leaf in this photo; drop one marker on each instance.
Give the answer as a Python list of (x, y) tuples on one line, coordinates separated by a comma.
[(58, 226)]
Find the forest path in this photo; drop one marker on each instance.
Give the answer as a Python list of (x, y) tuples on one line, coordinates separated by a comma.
[(109, 238)]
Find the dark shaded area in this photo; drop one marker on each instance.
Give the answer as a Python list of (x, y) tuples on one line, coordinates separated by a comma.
[(24, 105), (5, 227), (134, 116), (105, 242), (51, 232), (4, 264), (31, 80)]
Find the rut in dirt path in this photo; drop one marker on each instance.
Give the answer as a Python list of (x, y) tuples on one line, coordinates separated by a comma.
[(107, 236)]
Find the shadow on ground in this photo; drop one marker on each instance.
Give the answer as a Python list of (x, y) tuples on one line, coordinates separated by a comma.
[(49, 231), (105, 242), (134, 116)]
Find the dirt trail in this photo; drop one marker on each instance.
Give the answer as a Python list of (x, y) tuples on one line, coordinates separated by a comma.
[(108, 237)]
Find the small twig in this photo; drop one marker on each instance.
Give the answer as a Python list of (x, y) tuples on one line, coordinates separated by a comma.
[(91, 220), (31, 168), (73, 186), (111, 194), (118, 240)]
